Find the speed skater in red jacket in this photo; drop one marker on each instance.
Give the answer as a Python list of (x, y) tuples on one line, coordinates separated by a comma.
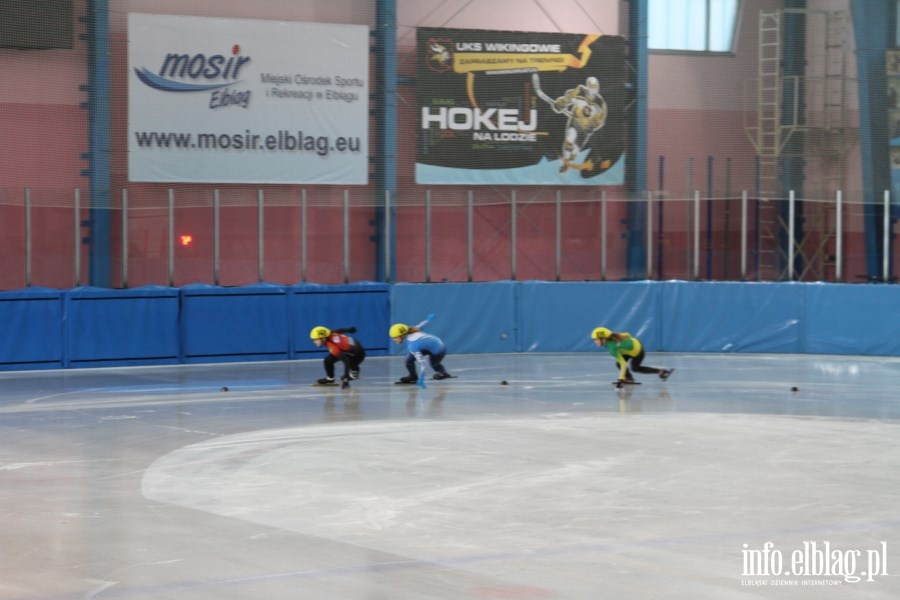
[(341, 347)]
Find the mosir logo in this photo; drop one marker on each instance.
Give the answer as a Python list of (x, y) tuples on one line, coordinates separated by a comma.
[(197, 73)]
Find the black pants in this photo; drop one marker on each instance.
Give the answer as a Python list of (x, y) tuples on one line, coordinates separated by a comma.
[(636, 365), (351, 359)]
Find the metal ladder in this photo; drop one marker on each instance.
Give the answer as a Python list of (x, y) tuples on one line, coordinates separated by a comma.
[(768, 140), (771, 133)]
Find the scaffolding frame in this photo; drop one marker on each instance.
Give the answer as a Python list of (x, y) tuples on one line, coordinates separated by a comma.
[(816, 129)]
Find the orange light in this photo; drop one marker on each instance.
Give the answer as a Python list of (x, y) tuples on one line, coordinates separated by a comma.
[(186, 240)]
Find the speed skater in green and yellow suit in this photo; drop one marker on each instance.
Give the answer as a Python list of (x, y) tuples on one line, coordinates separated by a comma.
[(626, 349)]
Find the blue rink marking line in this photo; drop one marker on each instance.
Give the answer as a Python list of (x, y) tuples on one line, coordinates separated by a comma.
[(168, 388)]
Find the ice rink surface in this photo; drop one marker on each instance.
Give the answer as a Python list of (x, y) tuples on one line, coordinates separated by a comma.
[(155, 483)]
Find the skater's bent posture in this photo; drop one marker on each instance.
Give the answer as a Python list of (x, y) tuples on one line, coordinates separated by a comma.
[(341, 347), (626, 349), (420, 345)]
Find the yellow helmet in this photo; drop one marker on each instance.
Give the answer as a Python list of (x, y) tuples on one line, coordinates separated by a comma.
[(319, 333), (398, 329), (601, 333)]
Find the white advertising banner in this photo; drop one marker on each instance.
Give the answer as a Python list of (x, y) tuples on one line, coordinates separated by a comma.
[(214, 100)]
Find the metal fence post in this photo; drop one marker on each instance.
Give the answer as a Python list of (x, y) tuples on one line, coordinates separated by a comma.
[(171, 266), (303, 247), (76, 250), (603, 235), (387, 236), (27, 237), (512, 236), (216, 237), (346, 236), (839, 241), (649, 235), (470, 232), (558, 235), (260, 237), (744, 234), (791, 222), (427, 236), (697, 234), (125, 238), (886, 231)]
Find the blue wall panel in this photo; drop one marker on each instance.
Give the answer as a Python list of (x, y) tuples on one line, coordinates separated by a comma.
[(469, 317), (32, 329), (672, 316), (106, 327), (559, 317), (88, 327), (731, 317), (365, 306), (853, 319), (234, 324)]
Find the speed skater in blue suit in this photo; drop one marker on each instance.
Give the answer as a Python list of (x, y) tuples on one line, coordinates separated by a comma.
[(424, 349)]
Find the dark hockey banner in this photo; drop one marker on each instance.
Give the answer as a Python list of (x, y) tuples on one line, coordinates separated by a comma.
[(519, 108)]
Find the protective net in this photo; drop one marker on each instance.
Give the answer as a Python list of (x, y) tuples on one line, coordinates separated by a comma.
[(149, 143)]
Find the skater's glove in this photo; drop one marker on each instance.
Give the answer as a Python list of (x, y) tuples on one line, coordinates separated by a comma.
[(345, 382), (421, 381)]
